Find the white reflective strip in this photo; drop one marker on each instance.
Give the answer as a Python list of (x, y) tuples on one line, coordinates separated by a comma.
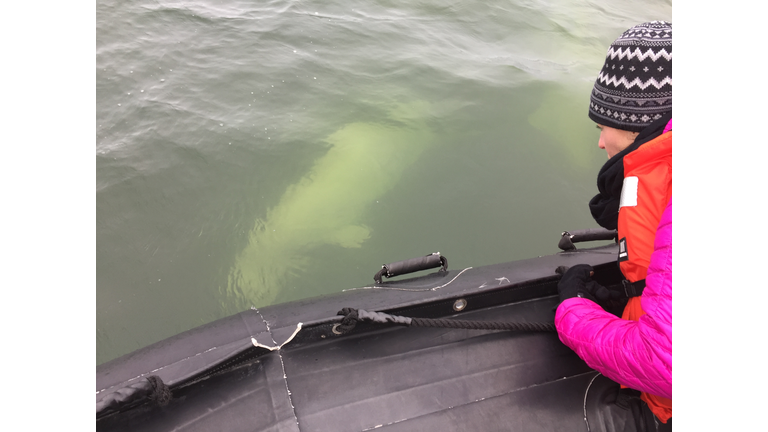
[(629, 193)]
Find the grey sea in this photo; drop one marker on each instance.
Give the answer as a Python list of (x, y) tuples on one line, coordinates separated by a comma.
[(252, 153)]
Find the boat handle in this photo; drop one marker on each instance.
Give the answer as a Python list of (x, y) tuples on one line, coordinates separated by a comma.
[(412, 265), (568, 238)]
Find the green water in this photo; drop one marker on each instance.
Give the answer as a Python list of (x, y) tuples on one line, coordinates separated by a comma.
[(249, 154)]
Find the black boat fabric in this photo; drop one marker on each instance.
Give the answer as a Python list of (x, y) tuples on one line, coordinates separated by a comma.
[(423, 378), (388, 378), (358, 382), (400, 379)]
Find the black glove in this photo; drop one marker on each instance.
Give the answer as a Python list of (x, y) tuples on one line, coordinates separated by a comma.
[(577, 282)]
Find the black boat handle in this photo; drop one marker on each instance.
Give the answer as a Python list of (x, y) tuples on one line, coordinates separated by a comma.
[(568, 238), (412, 265)]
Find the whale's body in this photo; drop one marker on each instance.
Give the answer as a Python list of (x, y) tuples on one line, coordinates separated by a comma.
[(326, 207)]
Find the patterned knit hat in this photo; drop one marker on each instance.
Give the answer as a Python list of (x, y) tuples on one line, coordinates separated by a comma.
[(634, 88)]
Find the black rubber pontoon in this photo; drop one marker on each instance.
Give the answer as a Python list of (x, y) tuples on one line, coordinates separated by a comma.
[(286, 368)]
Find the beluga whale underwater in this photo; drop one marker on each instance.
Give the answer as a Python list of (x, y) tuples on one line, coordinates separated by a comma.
[(325, 207)]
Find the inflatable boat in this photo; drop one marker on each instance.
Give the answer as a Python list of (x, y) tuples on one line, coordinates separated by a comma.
[(356, 361)]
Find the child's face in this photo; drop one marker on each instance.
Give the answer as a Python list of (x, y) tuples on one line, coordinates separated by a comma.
[(614, 140)]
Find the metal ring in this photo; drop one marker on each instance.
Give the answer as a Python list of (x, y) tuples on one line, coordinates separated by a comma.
[(459, 305), (333, 329)]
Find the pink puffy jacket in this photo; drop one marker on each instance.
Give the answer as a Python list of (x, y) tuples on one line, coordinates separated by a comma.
[(637, 354)]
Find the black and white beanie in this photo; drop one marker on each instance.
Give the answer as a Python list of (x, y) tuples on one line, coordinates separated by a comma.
[(634, 88)]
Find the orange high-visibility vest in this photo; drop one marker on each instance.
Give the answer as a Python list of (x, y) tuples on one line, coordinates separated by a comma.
[(646, 191)]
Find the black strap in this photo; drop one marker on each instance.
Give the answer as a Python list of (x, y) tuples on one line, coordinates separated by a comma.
[(633, 289)]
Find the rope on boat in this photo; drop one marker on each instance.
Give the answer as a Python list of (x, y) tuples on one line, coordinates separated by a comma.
[(151, 387), (353, 316)]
